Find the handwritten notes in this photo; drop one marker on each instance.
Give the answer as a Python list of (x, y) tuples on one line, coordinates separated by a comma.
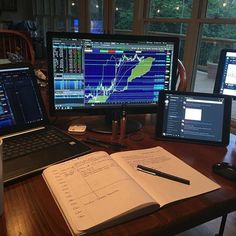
[(97, 190), (91, 189)]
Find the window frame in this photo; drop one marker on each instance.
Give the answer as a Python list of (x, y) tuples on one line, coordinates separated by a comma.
[(140, 20)]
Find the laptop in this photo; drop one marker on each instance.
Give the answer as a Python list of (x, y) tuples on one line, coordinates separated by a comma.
[(30, 143), (226, 73), (194, 117)]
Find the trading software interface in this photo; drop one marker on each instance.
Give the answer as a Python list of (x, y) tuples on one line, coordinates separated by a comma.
[(88, 73), (18, 101), (228, 85), (193, 117)]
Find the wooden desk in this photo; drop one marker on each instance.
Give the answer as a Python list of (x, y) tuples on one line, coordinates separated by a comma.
[(31, 210)]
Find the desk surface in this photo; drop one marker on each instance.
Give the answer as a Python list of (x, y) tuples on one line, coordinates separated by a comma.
[(31, 210)]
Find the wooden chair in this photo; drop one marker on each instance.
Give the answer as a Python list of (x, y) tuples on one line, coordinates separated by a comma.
[(181, 84), (14, 43)]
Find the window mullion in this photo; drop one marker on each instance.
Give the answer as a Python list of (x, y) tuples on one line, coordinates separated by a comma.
[(218, 20), (108, 12), (166, 20), (192, 41), (139, 9), (84, 16)]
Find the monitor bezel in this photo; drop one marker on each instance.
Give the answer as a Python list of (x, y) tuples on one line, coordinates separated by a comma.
[(220, 71), (226, 118), (101, 110)]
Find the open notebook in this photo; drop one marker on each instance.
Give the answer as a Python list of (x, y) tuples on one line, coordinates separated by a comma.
[(25, 128), (99, 190)]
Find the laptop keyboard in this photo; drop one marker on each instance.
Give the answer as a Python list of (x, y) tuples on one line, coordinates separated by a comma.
[(27, 143)]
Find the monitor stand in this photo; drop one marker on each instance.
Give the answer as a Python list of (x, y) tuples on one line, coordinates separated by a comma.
[(104, 125)]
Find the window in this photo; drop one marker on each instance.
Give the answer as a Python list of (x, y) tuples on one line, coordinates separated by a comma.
[(170, 18), (204, 26), (171, 8), (214, 38), (218, 32), (124, 11), (73, 20), (96, 16), (221, 9)]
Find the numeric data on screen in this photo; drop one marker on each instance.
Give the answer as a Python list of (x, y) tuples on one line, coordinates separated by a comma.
[(93, 73)]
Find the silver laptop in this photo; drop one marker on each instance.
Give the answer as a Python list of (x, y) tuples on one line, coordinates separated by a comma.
[(30, 143)]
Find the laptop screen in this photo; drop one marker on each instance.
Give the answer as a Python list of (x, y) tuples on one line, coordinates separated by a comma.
[(226, 73), (20, 103), (195, 117)]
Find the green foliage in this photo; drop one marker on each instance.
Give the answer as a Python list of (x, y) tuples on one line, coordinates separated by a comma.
[(124, 14), (217, 9), (178, 9), (211, 51), (171, 8), (183, 9), (124, 20)]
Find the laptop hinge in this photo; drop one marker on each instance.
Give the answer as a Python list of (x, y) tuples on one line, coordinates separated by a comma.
[(22, 132)]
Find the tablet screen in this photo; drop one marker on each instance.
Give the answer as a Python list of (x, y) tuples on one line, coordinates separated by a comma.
[(197, 117), (226, 73)]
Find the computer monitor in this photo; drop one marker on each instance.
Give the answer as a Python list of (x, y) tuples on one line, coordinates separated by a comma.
[(100, 74), (226, 73)]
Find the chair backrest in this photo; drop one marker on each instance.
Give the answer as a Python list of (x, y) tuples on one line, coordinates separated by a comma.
[(181, 84), (16, 45)]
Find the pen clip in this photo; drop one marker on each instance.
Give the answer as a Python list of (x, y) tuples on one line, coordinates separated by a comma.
[(145, 171)]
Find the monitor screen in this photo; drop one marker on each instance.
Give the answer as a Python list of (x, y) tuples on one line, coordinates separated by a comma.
[(93, 73), (226, 73)]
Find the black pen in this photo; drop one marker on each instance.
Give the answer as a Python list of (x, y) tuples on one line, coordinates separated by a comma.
[(152, 171), (113, 144)]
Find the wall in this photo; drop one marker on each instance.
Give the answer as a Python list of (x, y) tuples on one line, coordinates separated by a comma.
[(24, 12)]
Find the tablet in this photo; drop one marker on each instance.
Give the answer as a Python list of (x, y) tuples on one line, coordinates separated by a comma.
[(194, 117), (226, 73)]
